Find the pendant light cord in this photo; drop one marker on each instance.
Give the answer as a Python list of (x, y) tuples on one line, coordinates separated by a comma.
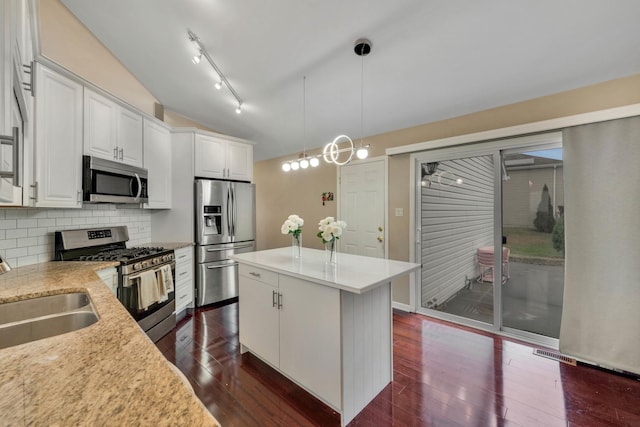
[(304, 115), (361, 101)]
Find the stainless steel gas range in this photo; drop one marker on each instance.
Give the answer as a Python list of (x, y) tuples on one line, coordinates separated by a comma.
[(145, 274)]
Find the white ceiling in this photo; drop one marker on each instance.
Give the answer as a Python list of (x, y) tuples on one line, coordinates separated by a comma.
[(431, 59)]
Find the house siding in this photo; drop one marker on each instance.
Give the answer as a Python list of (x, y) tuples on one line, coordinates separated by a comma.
[(457, 219)]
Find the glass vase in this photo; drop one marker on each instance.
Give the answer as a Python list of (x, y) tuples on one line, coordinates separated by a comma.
[(296, 245), (331, 252)]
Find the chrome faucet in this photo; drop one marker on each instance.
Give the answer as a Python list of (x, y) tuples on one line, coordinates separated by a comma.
[(4, 265)]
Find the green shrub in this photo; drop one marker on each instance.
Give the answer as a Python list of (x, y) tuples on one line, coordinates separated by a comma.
[(544, 220), (557, 235)]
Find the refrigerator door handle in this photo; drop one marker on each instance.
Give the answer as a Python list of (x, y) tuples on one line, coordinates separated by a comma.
[(234, 209), (229, 212)]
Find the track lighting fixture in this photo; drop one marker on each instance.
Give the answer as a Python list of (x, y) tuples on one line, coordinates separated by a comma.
[(202, 51)]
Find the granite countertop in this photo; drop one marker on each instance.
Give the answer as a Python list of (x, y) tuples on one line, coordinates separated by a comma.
[(107, 373), (352, 273)]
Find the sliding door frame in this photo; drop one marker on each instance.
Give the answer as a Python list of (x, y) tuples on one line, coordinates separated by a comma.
[(482, 148)]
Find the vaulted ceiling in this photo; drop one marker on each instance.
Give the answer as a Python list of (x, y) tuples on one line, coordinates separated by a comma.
[(431, 59)]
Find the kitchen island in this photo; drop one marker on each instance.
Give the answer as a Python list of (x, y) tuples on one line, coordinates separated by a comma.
[(108, 373), (327, 328)]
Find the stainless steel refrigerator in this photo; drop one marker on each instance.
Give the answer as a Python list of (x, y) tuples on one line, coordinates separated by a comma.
[(225, 225)]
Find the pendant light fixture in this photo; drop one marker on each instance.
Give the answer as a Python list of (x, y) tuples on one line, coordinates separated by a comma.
[(331, 152), (362, 48), (342, 143), (304, 161)]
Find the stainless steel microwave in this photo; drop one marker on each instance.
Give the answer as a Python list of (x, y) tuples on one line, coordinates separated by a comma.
[(106, 181)]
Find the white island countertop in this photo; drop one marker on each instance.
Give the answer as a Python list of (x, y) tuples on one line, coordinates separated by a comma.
[(352, 273)]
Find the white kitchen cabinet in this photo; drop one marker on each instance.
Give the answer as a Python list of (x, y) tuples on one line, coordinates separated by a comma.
[(111, 131), (293, 325), (157, 161), (58, 141), (183, 281), (16, 102), (221, 158), (259, 315)]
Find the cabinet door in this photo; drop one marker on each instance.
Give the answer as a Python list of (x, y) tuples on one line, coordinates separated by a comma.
[(100, 137), (310, 348), (259, 319), (129, 136), (210, 156), (239, 161), (157, 160), (184, 278), (58, 149)]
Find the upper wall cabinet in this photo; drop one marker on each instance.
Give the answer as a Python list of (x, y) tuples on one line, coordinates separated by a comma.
[(58, 148), (111, 131), (221, 158), (157, 160)]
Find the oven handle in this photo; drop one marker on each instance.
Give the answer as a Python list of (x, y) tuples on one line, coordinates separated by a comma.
[(131, 277)]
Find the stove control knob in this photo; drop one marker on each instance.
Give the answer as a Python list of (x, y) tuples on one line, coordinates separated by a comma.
[(156, 260), (137, 266)]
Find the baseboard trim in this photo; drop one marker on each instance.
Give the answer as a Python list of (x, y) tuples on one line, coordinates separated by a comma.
[(401, 306)]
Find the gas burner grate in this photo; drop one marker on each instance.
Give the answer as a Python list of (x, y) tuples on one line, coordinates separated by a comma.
[(122, 254)]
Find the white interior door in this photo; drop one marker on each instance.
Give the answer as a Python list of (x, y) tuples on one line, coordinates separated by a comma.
[(363, 206)]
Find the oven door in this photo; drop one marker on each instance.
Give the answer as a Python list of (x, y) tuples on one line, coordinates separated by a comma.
[(128, 294)]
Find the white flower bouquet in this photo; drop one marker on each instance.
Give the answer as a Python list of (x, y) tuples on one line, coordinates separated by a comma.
[(330, 229), (292, 225)]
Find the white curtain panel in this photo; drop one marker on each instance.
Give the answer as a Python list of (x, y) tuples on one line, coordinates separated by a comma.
[(601, 312)]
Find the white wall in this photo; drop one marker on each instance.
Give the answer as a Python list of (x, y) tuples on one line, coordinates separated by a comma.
[(26, 235)]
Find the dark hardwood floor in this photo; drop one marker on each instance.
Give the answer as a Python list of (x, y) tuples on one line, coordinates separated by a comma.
[(444, 375)]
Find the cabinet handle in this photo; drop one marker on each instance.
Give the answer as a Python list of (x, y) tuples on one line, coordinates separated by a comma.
[(254, 274), (274, 300), (35, 191), (183, 273), (183, 296), (12, 140), (279, 301), (115, 153), (122, 154)]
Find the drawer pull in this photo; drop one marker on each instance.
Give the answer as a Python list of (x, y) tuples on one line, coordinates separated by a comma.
[(183, 296), (183, 273), (182, 256), (254, 274)]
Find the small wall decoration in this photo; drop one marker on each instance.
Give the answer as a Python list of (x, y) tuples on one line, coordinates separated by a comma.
[(327, 197)]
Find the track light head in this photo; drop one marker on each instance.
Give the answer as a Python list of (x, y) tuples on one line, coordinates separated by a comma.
[(239, 109), (196, 58), (218, 85)]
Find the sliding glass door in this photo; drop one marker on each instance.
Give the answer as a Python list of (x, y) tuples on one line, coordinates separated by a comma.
[(489, 235), (533, 225)]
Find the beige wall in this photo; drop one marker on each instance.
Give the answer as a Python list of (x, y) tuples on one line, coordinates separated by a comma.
[(279, 193)]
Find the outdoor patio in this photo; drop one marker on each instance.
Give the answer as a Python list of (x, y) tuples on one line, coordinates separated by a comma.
[(532, 299)]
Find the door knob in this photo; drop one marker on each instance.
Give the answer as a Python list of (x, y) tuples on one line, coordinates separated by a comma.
[(379, 228), (379, 238)]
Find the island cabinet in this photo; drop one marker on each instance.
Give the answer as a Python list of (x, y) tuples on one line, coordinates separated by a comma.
[(327, 328), (293, 324)]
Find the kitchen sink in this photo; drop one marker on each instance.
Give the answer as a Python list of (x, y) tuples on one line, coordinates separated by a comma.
[(18, 311), (43, 317)]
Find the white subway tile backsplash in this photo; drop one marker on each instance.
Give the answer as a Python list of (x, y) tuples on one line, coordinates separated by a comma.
[(16, 233), (47, 222), (27, 223), (27, 235), (7, 223), (26, 242)]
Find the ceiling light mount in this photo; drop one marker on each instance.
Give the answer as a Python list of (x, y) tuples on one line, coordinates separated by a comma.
[(193, 37), (362, 47)]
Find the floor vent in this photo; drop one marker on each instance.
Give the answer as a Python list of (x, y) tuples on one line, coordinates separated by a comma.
[(555, 356)]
